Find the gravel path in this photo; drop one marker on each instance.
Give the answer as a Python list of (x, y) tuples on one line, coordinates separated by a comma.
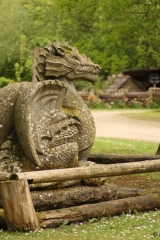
[(113, 124)]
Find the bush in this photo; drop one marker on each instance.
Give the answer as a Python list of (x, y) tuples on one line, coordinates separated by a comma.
[(154, 104), (96, 105), (5, 81), (136, 105), (118, 105), (83, 86)]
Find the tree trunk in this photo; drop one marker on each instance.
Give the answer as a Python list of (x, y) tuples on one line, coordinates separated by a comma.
[(80, 213), (119, 158), (18, 207), (59, 175), (36, 54)]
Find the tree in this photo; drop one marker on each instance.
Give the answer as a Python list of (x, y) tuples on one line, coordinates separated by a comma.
[(12, 21), (121, 34), (115, 34), (25, 24)]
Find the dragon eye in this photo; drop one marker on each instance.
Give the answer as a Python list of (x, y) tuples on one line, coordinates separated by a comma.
[(75, 58)]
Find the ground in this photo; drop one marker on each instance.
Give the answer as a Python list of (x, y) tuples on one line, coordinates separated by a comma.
[(113, 124)]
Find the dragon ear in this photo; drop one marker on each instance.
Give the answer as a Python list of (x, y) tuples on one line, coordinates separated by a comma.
[(58, 49)]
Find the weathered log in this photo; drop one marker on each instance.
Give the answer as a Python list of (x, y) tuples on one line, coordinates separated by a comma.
[(118, 169), (119, 158), (61, 198), (53, 185), (54, 218), (77, 195), (131, 192), (18, 207)]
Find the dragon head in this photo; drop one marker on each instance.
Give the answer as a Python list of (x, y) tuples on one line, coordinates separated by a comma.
[(59, 60)]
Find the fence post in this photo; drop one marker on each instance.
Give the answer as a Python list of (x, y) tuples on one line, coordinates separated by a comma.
[(18, 207), (151, 94)]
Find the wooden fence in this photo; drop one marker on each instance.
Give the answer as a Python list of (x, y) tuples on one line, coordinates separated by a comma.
[(20, 213), (128, 98)]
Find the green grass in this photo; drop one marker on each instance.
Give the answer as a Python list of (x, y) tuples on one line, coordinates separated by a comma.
[(148, 115), (127, 226), (119, 146)]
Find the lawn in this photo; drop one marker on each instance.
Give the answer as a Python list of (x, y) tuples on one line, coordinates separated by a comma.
[(130, 226), (121, 146), (153, 115)]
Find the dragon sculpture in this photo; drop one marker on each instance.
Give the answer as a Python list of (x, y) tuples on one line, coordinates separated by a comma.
[(46, 125)]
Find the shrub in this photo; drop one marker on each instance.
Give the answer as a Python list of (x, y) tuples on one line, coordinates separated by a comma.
[(155, 104), (5, 81), (96, 105), (136, 105), (118, 105)]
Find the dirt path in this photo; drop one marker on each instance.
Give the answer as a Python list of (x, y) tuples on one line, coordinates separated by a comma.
[(113, 124)]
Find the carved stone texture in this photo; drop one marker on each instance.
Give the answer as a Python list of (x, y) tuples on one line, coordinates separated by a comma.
[(46, 125)]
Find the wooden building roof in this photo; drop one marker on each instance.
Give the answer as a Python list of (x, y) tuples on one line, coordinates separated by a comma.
[(126, 82)]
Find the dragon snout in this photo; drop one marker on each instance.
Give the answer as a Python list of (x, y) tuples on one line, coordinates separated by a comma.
[(97, 67)]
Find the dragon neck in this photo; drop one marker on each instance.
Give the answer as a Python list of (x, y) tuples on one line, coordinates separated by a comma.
[(70, 84)]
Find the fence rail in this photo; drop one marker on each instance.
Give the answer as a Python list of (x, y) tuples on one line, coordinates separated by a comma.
[(125, 96)]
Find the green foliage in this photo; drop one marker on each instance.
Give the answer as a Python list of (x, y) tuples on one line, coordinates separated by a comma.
[(83, 86), (121, 105), (23, 67), (155, 104), (96, 105), (5, 81), (109, 105), (136, 105), (100, 85), (18, 71), (116, 35), (87, 86), (110, 82), (65, 222), (13, 21), (117, 105)]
